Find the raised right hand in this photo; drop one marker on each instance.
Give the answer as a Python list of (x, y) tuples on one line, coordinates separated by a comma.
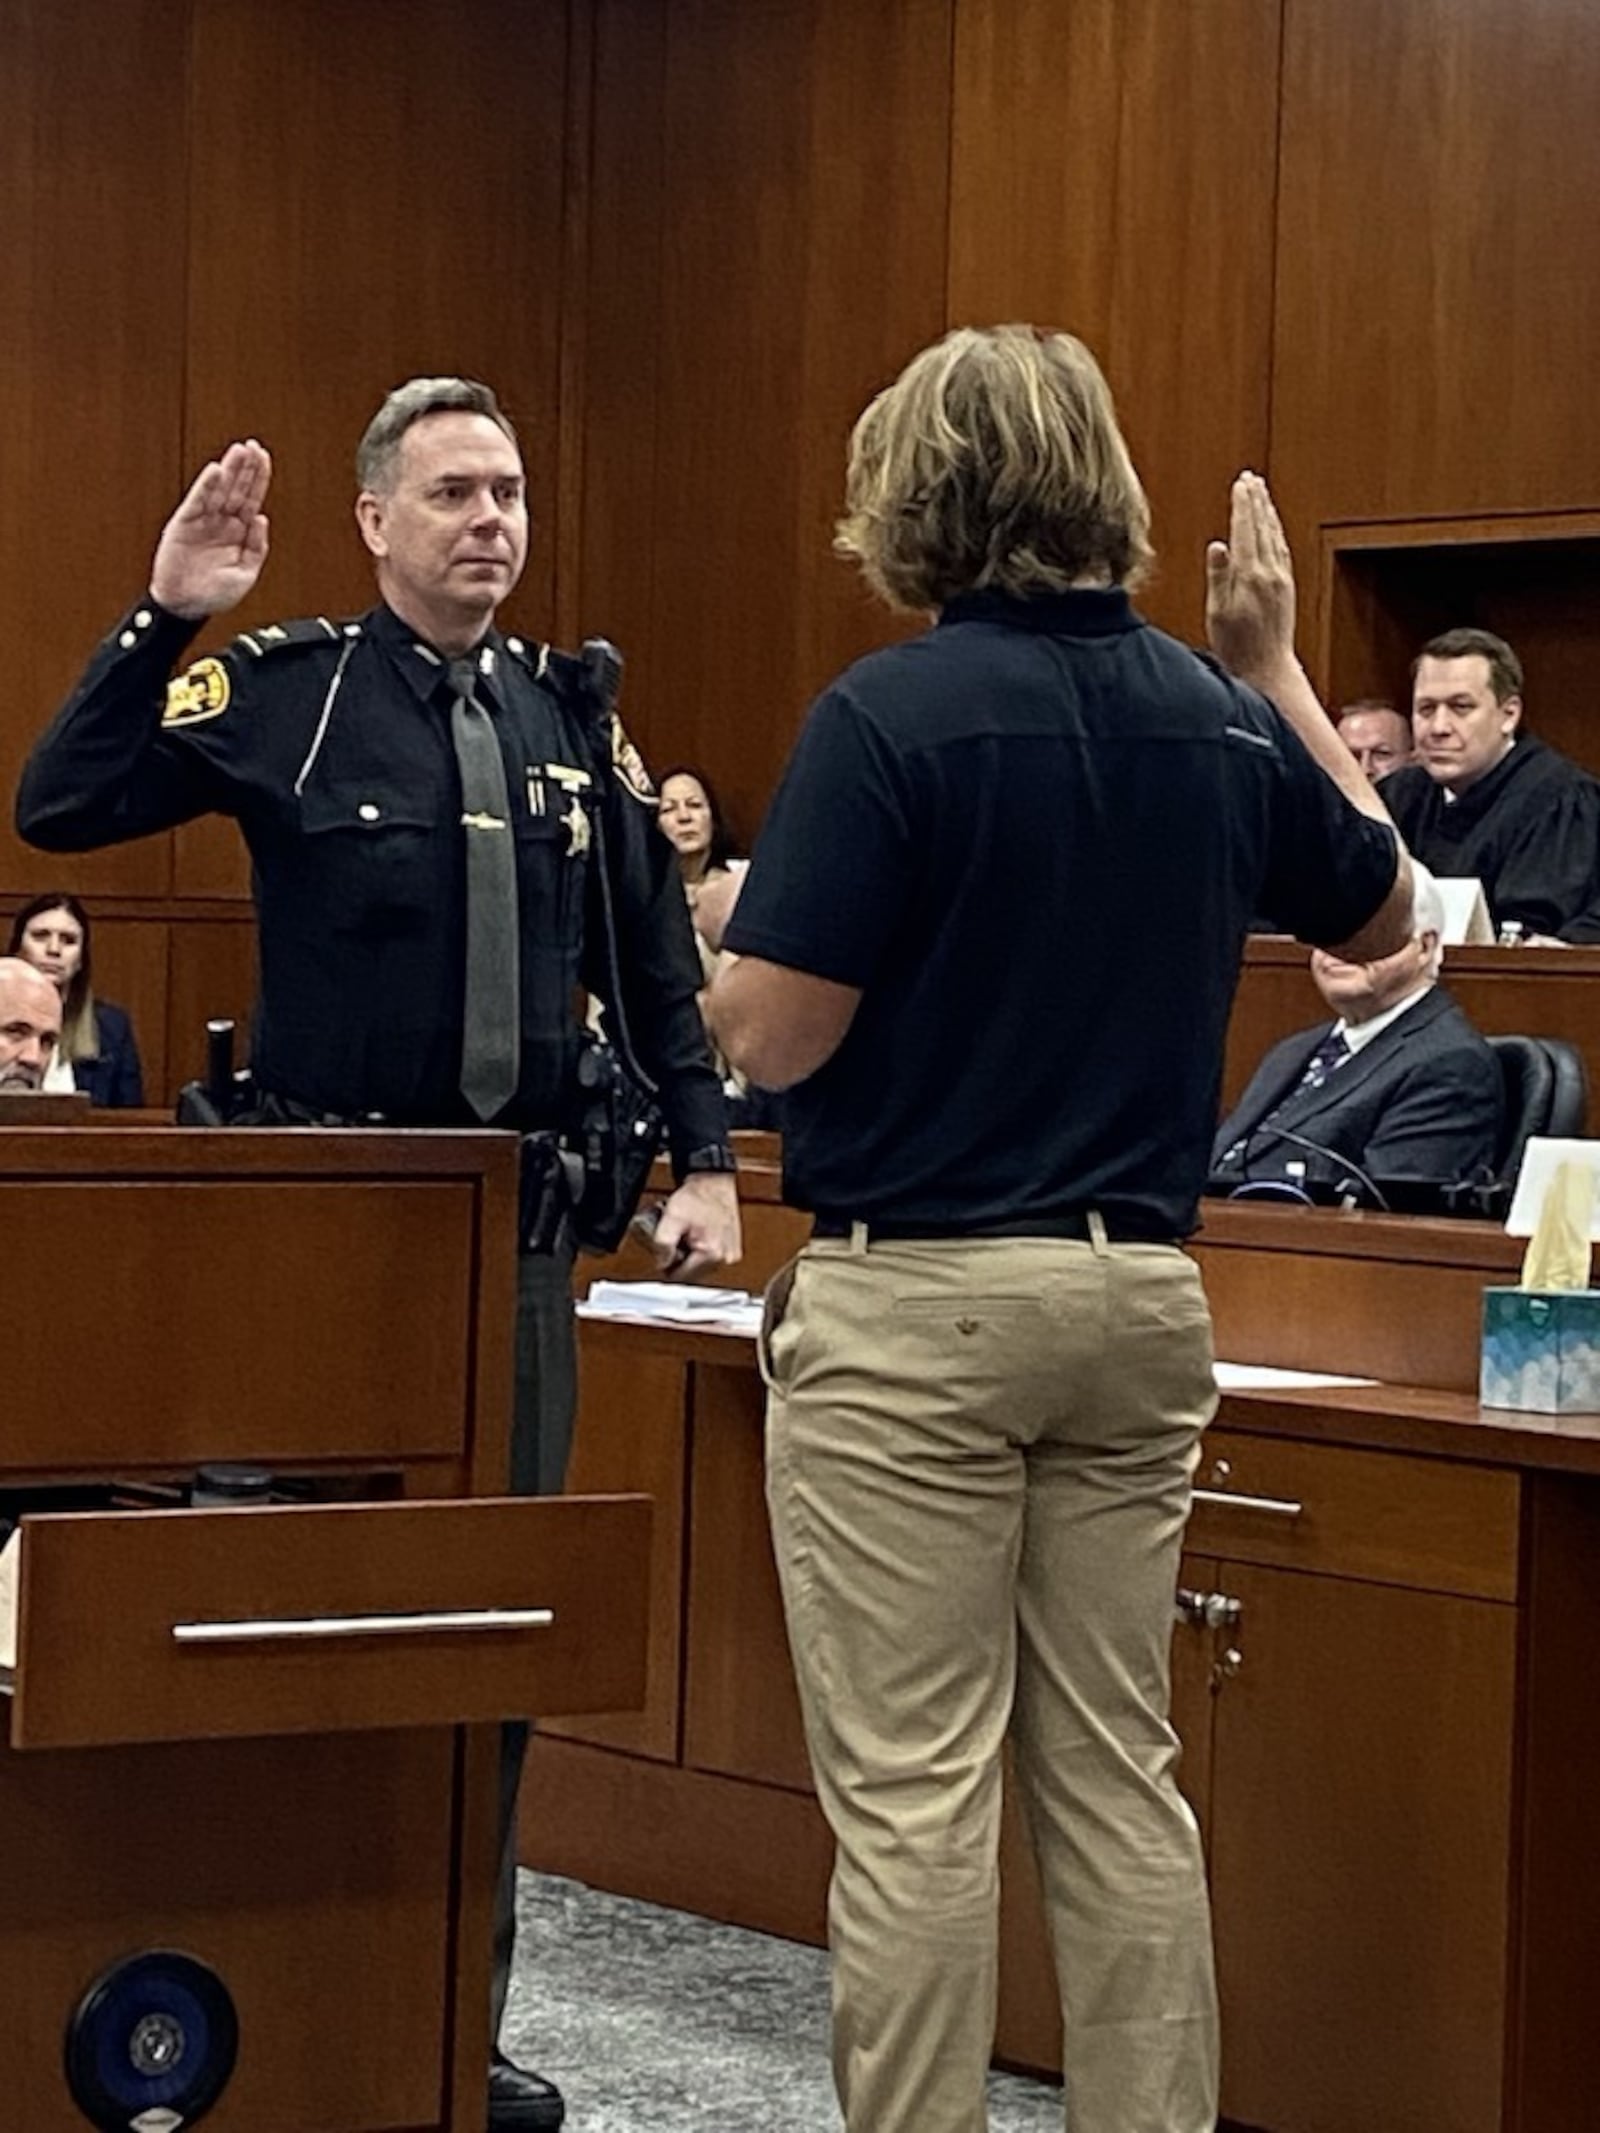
[(1250, 588), (212, 548)]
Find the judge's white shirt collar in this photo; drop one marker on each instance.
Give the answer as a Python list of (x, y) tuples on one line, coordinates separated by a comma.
[(1356, 1034)]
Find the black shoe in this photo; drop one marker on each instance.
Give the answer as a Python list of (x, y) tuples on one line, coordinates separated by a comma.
[(522, 2103)]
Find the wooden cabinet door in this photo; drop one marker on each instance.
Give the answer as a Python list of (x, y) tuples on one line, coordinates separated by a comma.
[(1360, 1843)]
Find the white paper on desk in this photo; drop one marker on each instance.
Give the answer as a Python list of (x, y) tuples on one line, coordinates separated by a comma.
[(1466, 912), (742, 1320), (1264, 1377), (662, 1299), (10, 1556), (1539, 1164)]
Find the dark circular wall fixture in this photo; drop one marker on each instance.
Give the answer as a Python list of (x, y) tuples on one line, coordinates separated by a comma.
[(152, 2044)]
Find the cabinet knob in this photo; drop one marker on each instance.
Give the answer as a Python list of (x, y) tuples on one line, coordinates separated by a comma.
[(1207, 1610)]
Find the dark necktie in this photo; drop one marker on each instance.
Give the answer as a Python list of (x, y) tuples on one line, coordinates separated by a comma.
[(1329, 1055), (491, 1025)]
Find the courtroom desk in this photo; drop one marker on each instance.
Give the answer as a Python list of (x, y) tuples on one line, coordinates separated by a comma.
[(270, 1736), (1390, 1765), (1535, 992)]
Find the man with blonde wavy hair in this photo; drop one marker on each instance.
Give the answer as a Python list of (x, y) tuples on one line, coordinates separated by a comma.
[(988, 944)]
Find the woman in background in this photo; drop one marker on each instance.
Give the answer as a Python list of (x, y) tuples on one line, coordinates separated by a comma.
[(694, 825), (97, 1052)]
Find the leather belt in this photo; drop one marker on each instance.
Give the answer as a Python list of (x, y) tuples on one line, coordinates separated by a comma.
[(1119, 1229)]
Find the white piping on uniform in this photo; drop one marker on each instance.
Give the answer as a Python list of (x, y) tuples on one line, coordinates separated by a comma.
[(318, 737)]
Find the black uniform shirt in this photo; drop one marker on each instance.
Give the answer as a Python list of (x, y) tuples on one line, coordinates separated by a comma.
[(1529, 829), (330, 743), (1034, 837)]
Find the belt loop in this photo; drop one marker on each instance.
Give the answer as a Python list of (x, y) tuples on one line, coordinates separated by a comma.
[(1097, 1233), (858, 1237)]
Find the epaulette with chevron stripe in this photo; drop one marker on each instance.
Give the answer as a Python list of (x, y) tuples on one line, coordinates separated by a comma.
[(284, 636)]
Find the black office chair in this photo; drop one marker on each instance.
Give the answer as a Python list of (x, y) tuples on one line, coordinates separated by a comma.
[(1569, 1111), (1546, 1094)]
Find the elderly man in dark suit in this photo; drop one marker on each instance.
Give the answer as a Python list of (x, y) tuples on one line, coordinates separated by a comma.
[(1400, 1085)]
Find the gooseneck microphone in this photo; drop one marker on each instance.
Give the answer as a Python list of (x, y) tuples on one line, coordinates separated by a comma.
[(1335, 1156)]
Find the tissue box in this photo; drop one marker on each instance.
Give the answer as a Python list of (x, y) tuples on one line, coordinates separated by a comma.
[(1541, 1351)]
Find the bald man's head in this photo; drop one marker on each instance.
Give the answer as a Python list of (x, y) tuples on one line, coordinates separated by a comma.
[(30, 1025)]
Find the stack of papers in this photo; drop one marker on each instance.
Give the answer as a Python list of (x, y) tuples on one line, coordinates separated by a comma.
[(674, 1303)]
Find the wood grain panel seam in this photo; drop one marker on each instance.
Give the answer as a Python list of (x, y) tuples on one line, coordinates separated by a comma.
[(952, 45), (1275, 250), (577, 214), (688, 1540)]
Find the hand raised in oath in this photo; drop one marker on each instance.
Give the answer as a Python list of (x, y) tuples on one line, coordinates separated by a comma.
[(212, 548), (1250, 587)]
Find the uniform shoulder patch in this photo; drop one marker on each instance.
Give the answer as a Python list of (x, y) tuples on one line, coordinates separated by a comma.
[(628, 764), (291, 636), (202, 691)]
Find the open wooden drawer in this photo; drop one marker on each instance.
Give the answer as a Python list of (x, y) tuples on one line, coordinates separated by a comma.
[(339, 1618)]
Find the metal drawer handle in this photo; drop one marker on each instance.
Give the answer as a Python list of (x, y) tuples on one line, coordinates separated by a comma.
[(267, 1630), (1233, 1500)]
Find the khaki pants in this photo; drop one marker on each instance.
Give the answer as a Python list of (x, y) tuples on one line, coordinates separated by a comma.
[(978, 1469)]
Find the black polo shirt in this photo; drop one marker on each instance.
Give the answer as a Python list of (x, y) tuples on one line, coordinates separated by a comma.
[(1033, 838)]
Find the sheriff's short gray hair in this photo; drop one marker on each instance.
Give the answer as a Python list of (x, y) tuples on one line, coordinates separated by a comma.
[(380, 443)]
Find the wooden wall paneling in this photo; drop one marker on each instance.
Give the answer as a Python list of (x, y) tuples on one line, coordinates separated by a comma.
[(211, 974), (565, 532), (1033, 128), (92, 175), (806, 150), (388, 203), (1113, 172), (1438, 293), (1533, 578), (616, 310)]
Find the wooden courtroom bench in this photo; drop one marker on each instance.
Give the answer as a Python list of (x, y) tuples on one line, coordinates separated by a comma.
[(1533, 992), (1383, 1699)]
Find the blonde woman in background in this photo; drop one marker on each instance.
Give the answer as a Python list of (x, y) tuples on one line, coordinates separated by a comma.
[(97, 1052)]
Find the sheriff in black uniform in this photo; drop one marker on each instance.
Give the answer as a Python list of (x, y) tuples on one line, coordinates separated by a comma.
[(333, 746)]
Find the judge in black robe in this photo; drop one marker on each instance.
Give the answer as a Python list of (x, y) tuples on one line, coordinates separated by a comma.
[(1529, 828)]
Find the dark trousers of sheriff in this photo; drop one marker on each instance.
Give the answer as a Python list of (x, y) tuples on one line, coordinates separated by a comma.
[(541, 1440)]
